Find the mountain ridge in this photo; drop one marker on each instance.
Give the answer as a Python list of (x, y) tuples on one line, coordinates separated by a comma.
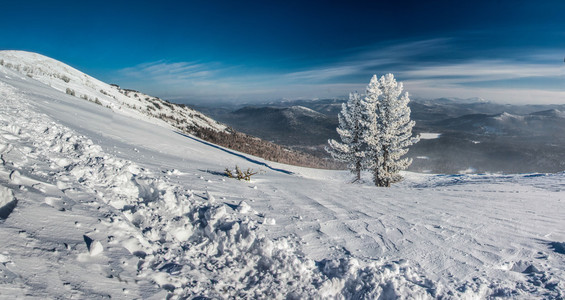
[(160, 112), (128, 102)]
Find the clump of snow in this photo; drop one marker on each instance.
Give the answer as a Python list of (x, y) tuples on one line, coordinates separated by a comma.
[(243, 207), (429, 136), (269, 221), (4, 258), (7, 202), (210, 197), (95, 248)]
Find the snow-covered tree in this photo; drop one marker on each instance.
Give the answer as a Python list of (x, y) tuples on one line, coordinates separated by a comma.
[(351, 148), (387, 129), (371, 127)]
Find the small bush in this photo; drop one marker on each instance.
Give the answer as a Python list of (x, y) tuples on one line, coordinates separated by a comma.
[(70, 92), (240, 175)]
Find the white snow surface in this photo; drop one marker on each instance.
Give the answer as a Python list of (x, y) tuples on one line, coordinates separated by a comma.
[(105, 204), (131, 103), (429, 136)]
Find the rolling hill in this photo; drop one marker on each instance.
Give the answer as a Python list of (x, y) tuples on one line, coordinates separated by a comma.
[(135, 104)]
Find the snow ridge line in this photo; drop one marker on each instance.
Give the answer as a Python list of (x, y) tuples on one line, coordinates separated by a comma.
[(193, 247), (123, 101)]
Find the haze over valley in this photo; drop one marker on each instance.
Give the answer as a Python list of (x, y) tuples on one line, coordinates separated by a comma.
[(474, 136)]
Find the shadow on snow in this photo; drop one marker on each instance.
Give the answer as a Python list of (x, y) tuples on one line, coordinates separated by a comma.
[(236, 154)]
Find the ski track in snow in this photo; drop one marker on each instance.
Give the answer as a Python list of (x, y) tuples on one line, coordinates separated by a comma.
[(81, 219)]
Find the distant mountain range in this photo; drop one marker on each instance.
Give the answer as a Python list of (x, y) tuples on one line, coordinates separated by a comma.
[(471, 135), (475, 135), (293, 125)]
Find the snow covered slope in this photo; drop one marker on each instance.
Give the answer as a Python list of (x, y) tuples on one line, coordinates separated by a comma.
[(123, 101), (95, 204)]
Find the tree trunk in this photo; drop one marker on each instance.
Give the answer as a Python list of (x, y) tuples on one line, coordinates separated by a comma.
[(386, 179), (357, 171)]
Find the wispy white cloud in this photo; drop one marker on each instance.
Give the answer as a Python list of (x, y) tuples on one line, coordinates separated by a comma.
[(369, 60), (485, 70), (176, 72), (428, 89), (323, 74), (505, 81), (500, 80), (432, 77)]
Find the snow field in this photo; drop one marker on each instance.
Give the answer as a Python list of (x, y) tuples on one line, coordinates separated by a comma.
[(117, 229), (170, 225)]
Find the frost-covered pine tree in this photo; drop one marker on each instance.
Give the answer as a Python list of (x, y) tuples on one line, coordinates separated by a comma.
[(371, 128), (388, 129), (351, 148)]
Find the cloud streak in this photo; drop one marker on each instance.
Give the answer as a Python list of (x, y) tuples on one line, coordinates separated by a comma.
[(424, 66)]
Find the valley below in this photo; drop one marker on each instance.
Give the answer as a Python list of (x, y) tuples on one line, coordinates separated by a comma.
[(474, 136)]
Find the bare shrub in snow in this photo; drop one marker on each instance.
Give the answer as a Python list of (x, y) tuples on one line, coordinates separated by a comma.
[(239, 174)]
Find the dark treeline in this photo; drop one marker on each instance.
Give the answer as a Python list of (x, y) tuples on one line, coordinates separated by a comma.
[(255, 146)]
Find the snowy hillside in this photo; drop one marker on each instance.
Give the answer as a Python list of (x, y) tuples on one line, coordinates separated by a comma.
[(123, 101), (95, 204)]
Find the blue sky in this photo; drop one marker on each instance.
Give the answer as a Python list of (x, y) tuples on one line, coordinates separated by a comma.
[(249, 51)]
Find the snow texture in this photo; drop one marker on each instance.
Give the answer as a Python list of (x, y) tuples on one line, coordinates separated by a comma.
[(100, 214)]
